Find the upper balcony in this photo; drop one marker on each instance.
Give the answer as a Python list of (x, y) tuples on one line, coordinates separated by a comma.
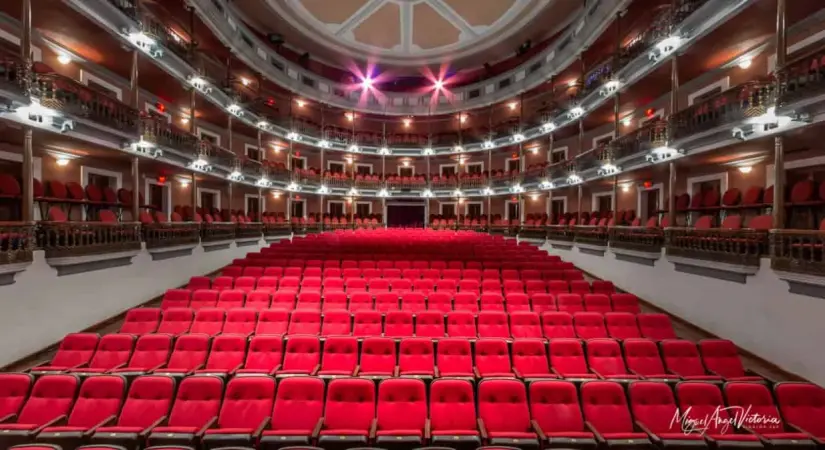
[(539, 113)]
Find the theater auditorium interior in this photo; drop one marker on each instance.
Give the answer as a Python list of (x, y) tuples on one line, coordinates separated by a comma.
[(412, 224)]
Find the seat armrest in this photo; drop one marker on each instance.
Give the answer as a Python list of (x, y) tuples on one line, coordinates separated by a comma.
[(197, 368), (715, 373), (158, 367), (8, 418), (556, 372), (102, 423), (435, 371), (318, 427), (481, 429), (597, 373), (537, 429), (161, 420), (259, 431), (236, 369), (79, 366), (209, 424), (645, 429), (819, 442), (475, 372), (119, 366), (427, 429), (633, 372), (595, 432), (518, 373), (373, 428), (274, 370), (357, 370), (396, 371), (56, 421)]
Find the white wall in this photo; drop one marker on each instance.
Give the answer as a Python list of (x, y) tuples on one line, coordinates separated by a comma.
[(760, 316), (40, 307)]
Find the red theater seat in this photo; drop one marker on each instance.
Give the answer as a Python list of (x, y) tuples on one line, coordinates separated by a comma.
[(530, 359), (589, 325), (491, 301), (625, 303), (453, 414), (75, 351), (401, 413), (272, 321), (461, 324), (430, 324), (802, 406), (226, 355), (360, 301), (229, 299), (140, 321), (504, 414), (604, 356), (454, 358), (246, 408), (525, 324), (493, 324), (643, 359), (302, 356), (700, 400), (258, 300), (466, 302), (557, 324), (284, 300), (208, 321), (51, 398), (340, 356), (570, 303), (264, 355), (337, 323), (386, 302), (398, 324), (622, 325), (204, 298), (756, 398), (416, 358), (605, 407), (654, 407), (147, 404), (681, 358), (348, 413), (542, 302), (440, 302), (568, 360), (112, 353), (308, 300), (655, 326), (554, 405), (599, 303), (175, 298), (367, 323), (297, 412), (304, 321), (492, 358), (721, 357), (378, 358), (195, 409)]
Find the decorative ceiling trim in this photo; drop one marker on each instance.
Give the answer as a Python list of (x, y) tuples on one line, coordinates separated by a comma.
[(472, 40)]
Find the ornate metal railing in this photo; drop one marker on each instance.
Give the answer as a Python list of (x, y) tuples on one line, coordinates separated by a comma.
[(67, 95), (67, 239), (217, 155), (217, 231), (751, 99), (472, 183), (171, 234), (252, 168), (560, 233), (642, 140), (159, 132), (17, 242), (249, 230), (369, 184), (800, 251), (590, 234), (337, 182), (12, 74), (638, 239), (277, 229), (742, 247), (804, 77)]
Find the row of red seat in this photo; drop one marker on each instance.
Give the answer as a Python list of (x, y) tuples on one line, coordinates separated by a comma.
[(409, 274), (525, 358), (415, 301), (207, 412), (396, 285), (432, 324)]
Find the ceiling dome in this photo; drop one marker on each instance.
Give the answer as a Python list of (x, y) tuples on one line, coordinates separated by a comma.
[(465, 33)]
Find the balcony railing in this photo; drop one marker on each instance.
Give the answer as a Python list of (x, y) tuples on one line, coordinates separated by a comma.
[(561, 233), (217, 155), (11, 75), (799, 251), (17, 242), (217, 231), (590, 235), (741, 247), (64, 94), (804, 77), (642, 140), (160, 235), (249, 230), (277, 229), (751, 99), (638, 239), (159, 132), (69, 239)]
